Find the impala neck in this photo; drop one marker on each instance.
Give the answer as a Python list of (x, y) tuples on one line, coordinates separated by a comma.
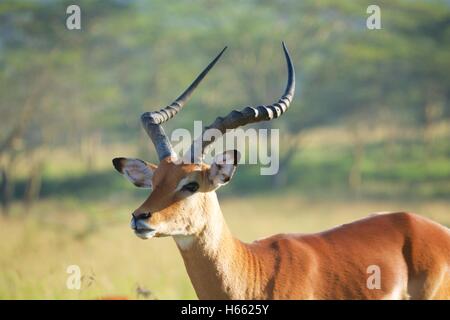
[(217, 263)]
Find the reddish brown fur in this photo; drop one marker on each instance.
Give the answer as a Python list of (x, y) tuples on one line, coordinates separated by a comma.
[(413, 253)]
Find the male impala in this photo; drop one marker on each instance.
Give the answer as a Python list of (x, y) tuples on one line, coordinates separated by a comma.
[(411, 253)]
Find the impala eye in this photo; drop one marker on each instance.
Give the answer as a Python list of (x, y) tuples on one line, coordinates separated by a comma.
[(191, 187)]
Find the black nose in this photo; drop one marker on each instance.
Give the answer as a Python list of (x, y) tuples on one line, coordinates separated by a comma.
[(142, 215), (139, 223)]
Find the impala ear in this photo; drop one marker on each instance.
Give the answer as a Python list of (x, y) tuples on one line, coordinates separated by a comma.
[(223, 168), (138, 171)]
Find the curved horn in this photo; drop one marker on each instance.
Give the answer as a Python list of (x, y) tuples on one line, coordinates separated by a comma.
[(248, 115), (152, 121)]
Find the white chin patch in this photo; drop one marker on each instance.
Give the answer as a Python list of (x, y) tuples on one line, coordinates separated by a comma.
[(145, 234)]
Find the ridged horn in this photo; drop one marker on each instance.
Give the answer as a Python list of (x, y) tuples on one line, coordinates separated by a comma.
[(152, 121)]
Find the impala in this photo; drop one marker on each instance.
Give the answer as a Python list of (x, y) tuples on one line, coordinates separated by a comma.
[(411, 253)]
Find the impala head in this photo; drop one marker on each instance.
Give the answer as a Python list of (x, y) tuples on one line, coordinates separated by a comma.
[(174, 206), (180, 188)]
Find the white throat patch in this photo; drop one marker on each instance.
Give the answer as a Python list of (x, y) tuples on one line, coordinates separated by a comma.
[(184, 242)]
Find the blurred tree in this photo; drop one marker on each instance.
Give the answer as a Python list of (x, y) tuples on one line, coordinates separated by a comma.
[(42, 66), (77, 90)]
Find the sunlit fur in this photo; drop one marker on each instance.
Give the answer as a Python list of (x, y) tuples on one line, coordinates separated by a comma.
[(413, 253)]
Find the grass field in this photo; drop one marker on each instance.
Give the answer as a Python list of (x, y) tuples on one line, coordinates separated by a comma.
[(36, 247)]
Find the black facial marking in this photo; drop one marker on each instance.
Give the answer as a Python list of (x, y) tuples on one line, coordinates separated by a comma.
[(117, 163), (190, 187)]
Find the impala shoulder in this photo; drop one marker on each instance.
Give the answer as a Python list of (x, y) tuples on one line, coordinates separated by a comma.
[(393, 214), (402, 217), (276, 238), (410, 222), (411, 218), (284, 242)]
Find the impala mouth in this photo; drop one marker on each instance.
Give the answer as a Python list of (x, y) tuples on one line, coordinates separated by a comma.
[(145, 233), (142, 229)]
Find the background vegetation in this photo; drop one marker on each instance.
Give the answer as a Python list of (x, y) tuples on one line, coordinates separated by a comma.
[(368, 131)]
